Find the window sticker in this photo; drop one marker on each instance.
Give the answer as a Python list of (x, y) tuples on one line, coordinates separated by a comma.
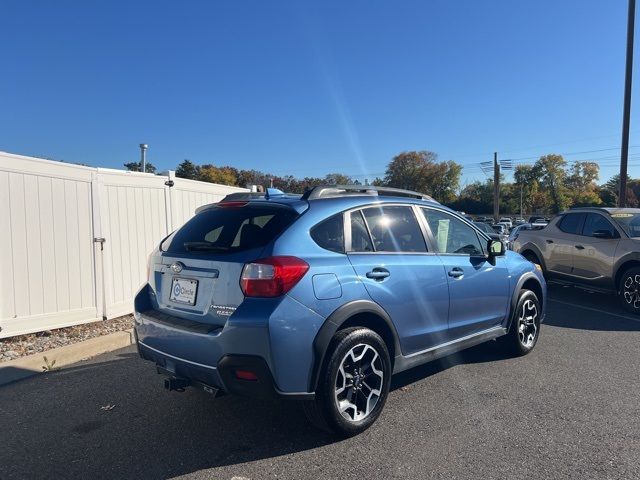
[(622, 215), (443, 235)]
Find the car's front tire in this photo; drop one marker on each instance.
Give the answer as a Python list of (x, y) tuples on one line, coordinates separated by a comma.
[(354, 383), (524, 330), (629, 290)]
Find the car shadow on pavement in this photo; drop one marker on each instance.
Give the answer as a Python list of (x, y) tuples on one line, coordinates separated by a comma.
[(571, 307), (112, 418)]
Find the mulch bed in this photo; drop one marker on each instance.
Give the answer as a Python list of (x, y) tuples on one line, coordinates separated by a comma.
[(23, 345)]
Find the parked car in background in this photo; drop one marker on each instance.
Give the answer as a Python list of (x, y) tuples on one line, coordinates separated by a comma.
[(595, 248), (502, 231), (537, 219), (507, 221), (515, 233), (506, 226), (486, 228), (323, 297), (519, 221)]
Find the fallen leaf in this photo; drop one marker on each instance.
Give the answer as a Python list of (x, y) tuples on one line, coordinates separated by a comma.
[(108, 407)]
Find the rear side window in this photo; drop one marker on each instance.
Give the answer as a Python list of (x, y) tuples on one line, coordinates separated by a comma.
[(570, 223), (360, 239), (394, 229), (329, 234), (595, 222), (230, 229)]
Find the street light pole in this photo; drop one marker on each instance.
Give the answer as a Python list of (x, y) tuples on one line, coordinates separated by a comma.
[(521, 185), (624, 153), (143, 156)]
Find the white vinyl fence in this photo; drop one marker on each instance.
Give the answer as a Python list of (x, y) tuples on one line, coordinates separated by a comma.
[(54, 269)]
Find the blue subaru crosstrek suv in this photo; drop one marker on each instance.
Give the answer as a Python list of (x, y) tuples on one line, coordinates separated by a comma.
[(322, 297)]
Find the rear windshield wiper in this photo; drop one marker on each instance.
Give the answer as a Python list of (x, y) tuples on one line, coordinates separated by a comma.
[(204, 247)]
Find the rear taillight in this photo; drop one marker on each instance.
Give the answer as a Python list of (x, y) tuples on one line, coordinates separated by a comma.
[(272, 277)]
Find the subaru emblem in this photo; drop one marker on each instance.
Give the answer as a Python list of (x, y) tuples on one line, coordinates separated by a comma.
[(177, 267)]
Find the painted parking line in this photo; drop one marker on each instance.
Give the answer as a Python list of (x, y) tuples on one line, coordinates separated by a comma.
[(633, 319)]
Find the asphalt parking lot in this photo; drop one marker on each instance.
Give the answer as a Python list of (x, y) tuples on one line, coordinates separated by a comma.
[(571, 409)]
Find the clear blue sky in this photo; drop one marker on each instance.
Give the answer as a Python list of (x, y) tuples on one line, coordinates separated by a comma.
[(308, 88)]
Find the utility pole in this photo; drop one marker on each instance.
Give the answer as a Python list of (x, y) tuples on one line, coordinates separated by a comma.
[(143, 156), (624, 154), (496, 187)]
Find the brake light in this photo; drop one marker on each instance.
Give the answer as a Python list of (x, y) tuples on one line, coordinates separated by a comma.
[(232, 204), (272, 277)]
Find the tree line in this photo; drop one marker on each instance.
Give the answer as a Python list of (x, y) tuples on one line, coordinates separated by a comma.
[(548, 186)]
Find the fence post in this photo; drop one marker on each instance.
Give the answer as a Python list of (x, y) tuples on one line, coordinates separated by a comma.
[(169, 200), (98, 248)]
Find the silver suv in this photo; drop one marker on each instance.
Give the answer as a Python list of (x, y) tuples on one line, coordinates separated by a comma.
[(596, 248)]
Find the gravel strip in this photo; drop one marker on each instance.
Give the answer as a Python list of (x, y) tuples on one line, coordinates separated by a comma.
[(23, 345)]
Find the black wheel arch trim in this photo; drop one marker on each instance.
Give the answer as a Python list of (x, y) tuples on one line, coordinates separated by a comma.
[(516, 295), (536, 250), (333, 323)]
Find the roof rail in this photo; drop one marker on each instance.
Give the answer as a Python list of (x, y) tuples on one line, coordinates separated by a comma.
[(332, 191)]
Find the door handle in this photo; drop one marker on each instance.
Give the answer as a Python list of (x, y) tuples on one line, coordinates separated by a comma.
[(456, 272), (579, 247), (378, 273), (549, 241)]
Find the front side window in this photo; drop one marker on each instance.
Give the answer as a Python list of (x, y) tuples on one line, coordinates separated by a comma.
[(394, 229), (451, 234), (594, 223), (570, 223)]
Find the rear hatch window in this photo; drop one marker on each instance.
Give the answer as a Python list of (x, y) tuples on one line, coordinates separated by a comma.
[(234, 229)]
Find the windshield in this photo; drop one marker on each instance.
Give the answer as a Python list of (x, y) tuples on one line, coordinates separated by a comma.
[(630, 223)]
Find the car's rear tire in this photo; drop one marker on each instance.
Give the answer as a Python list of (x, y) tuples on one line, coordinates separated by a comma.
[(354, 383), (629, 290), (524, 330)]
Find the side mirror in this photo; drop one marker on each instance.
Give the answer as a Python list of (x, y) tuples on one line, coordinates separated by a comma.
[(496, 248), (602, 234)]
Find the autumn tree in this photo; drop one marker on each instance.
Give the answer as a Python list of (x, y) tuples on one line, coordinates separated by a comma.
[(550, 172), (609, 192), (337, 179), (421, 172), (220, 175), (581, 182)]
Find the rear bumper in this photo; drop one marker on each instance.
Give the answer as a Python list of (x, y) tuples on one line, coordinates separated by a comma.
[(208, 356), (219, 378)]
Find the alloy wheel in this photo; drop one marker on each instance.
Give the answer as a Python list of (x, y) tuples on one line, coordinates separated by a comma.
[(527, 324), (631, 291), (359, 382)]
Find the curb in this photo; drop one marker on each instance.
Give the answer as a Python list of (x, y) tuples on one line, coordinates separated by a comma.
[(31, 365)]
